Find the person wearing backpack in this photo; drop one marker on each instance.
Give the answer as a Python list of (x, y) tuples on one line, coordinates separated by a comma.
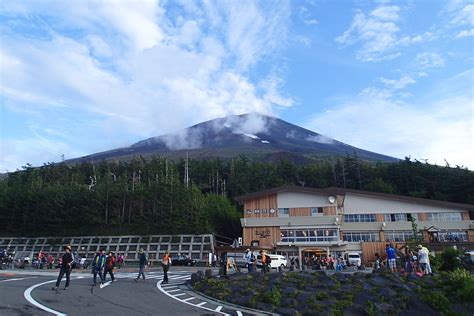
[(98, 265)]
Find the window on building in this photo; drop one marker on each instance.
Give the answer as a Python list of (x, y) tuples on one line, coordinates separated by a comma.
[(450, 236), (445, 217), (317, 211), (309, 235), (284, 212), (400, 217), (360, 236), (355, 218), (398, 235)]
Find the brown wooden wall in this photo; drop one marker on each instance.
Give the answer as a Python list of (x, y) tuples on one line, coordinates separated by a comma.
[(266, 202), (470, 235), (422, 217), (465, 216), (330, 210), (267, 236), (370, 248)]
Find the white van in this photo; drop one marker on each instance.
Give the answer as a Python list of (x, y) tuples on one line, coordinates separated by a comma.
[(353, 259), (277, 261)]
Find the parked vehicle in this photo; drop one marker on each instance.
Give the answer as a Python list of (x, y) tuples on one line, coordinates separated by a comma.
[(353, 259), (182, 260), (277, 261), (469, 257)]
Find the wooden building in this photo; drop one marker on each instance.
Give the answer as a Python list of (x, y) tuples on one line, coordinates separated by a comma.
[(302, 221)]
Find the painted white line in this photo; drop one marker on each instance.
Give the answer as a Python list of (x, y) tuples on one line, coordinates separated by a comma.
[(105, 284), (189, 298), (202, 303), (32, 301), (17, 279), (169, 286), (173, 291), (180, 294), (179, 277), (158, 285), (239, 313), (218, 308)]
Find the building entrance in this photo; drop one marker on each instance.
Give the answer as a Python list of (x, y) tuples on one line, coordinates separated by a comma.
[(310, 255)]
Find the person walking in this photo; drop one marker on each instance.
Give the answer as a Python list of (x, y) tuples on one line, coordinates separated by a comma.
[(249, 260), (165, 263), (98, 265), (264, 260), (109, 266), (142, 263), (66, 267)]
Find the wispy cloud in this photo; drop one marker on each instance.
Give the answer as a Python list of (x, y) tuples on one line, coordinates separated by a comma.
[(383, 123), (145, 68), (378, 34)]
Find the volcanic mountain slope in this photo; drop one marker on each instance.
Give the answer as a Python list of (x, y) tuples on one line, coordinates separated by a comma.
[(252, 134)]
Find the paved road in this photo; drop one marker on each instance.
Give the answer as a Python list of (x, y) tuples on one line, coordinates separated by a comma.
[(20, 291)]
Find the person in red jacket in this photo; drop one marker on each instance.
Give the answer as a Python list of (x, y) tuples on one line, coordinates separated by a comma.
[(109, 266)]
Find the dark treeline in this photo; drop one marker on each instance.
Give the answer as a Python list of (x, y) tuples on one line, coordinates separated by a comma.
[(156, 196)]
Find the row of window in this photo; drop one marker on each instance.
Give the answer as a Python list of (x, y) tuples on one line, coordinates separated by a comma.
[(309, 235), (395, 217), (404, 217), (360, 236), (356, 218), (315, 211)]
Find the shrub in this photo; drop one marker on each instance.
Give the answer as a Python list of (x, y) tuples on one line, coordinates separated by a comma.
[(450, 259)]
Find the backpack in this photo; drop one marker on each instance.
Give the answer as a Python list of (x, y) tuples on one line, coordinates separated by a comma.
[(269, 260)]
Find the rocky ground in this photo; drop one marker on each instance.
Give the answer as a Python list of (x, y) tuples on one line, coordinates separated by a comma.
[(316, 293)]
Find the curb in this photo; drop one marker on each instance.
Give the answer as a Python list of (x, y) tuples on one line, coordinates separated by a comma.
[(234, 306)]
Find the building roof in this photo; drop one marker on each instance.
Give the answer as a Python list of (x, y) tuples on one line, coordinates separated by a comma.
[(344, 192)]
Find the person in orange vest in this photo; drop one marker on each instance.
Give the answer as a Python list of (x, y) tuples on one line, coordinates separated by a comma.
[(264, 260), (165, 263)]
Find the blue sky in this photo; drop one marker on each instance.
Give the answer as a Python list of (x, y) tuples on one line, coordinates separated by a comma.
[(79, 77)]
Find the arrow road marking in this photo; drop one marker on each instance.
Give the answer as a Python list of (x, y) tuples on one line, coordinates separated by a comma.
[(102, 285)]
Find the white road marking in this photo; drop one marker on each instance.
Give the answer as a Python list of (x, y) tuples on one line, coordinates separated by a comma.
[(102, 285), (174, 291), (218, 308), (158, 285), (180, 277), (239, 313), (202, 303), (17, 279), (32, 301), (180, 294), (189, 298)]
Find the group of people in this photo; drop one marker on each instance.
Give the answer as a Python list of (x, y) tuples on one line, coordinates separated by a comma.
[(415, 261), (251, 261), (103, 265)]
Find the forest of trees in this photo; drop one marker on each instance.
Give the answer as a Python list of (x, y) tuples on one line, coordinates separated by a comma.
[(158, 196)]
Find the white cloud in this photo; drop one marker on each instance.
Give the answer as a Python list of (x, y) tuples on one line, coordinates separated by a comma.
[(379, 123), (401, 83), (465, 33), (377, 34), (139, 70), (320, 139), (429, 60), (311, 22), (465, 16)]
